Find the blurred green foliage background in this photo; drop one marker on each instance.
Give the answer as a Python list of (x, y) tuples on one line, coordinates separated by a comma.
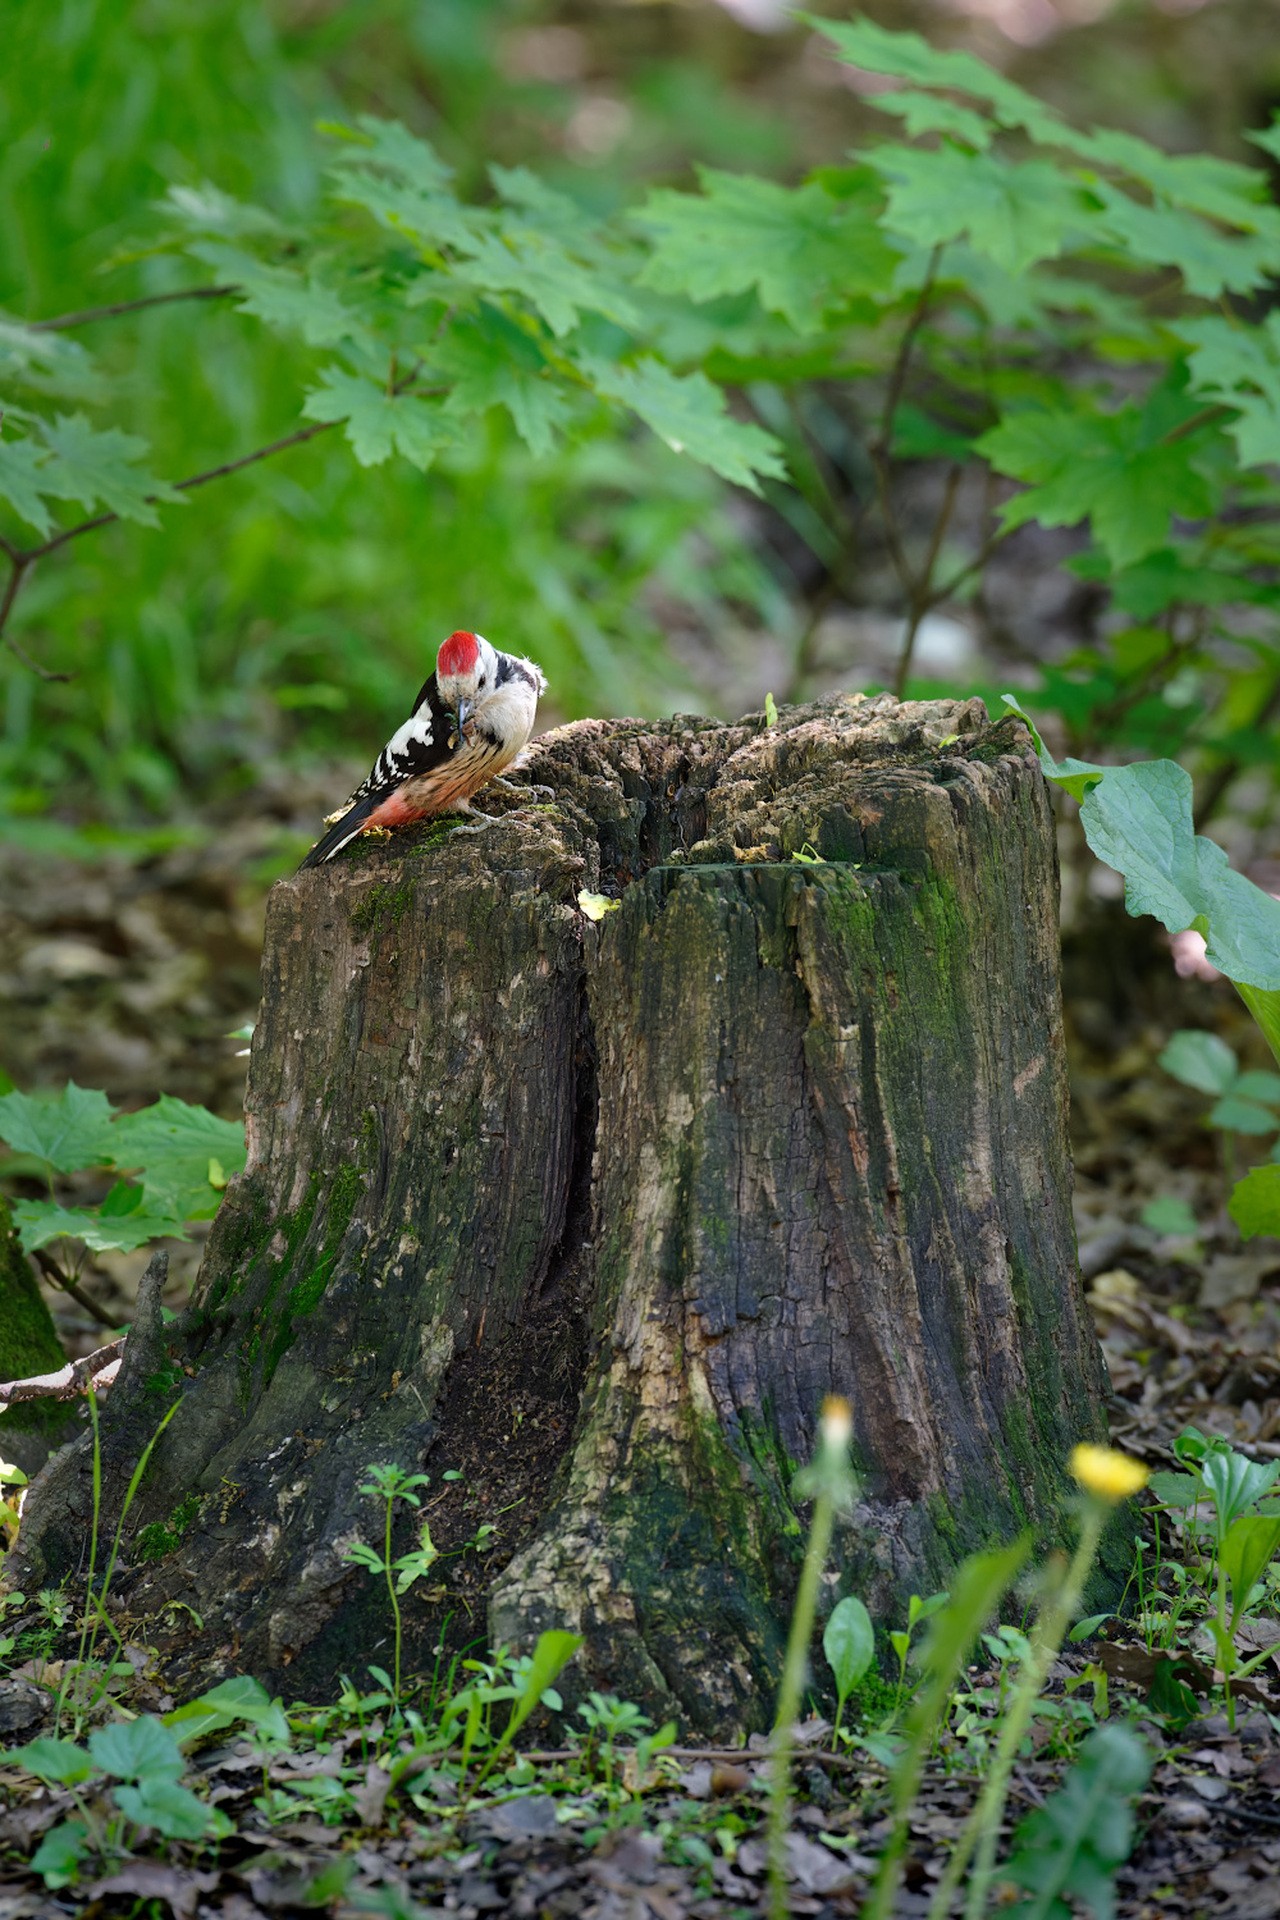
[(284, 614)]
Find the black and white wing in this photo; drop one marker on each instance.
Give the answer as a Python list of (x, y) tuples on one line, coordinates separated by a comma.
[(427, 739)]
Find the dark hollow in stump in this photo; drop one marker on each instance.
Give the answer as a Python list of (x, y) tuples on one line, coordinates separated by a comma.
[(593, 1215)]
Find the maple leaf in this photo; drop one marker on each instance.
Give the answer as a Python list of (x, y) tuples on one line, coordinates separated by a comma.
[(804, 249), (378, 423), (689, 413), (100, 467), (1117, 470)]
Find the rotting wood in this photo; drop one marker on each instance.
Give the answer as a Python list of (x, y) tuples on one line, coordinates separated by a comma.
[(595, 1214)]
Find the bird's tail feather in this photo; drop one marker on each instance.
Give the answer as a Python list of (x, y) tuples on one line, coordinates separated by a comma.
[(342, 831)]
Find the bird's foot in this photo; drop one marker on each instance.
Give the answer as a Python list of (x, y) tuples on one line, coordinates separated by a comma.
[(374, 833)]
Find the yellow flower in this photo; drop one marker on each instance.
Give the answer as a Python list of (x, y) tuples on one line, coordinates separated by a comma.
[(1112, 1476), (837, 1420)]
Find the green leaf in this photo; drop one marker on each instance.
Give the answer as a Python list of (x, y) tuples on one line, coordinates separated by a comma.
[(935, 113), (976, 1590), (802, 249), (68, 1133), (40, 1221), (1235, 1484), (1242, 1116), (907, 56), (21, 483), (1239, 366), (1256, 1085), (849, 1642), (494, 363), (141, 1749), (59, 1762), (1210, 261), (170, 1809), (689, 413), (1200, 1060), (100, 469), (286, 301), (1255, 1202), (1117, 470), (378, 423), (523, 260), (1071, 1847), (1176, 1489), (238, 1701), (1013, 212), (1167, 1214), (1249, 1548), (57, 1858), (174, 1143), (551, 1655), (1073, 776), (1139, 820), (1220, 189)]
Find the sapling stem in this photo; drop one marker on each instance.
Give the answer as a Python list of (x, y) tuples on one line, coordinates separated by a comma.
[(830, 1481)]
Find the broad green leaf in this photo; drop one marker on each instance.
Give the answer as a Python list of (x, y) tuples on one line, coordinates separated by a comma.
[(690, 414), (1250, 1546), (494, 363), (100, 468), (1073, 776), (389, 145), (378, 423), (1262, 1086), (207, 209), (41, 1221), (1242, 1116), (1015, 212), (172, 1810), (935, 113), (21, 483), (1069, 1848), (60, 1762), (1235, 1484), (240, 1700), (68, 1133), (907, 56), (59, 1854), (801, 248), (141, 1749), (288, 302), (520, 259), (1117, 470), (1220, 189), (849, 1642), (46, 363), (1176, 1489), (1239, 366), (173, 1143), (1255, 1202), (1200, 1060), (1210, 261), (1167, 1214), (1139, 820)]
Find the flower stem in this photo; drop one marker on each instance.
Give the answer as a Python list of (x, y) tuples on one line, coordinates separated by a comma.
[(793, 1672)]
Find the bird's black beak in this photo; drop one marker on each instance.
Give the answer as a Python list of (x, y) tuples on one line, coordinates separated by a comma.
[(465, 708)]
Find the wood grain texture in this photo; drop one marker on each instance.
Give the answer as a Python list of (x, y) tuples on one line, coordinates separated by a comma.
[(777, 1127)]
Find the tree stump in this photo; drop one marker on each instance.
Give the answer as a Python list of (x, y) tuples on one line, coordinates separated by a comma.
[(593, 1215)]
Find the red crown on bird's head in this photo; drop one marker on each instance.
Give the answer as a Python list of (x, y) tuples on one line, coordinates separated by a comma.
[(458, 656)]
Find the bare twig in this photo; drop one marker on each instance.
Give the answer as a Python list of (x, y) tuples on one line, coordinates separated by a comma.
[(921, 599), (878, 451), (54, 1274), (82, 319), (98, 1367)]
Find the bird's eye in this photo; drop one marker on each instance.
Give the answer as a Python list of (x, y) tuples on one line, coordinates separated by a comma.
[(480, 681)]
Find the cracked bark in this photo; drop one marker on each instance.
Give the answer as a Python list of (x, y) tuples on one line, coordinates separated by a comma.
[(775, 1128)]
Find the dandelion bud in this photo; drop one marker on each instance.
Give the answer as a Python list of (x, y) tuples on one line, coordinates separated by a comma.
[(1110, 1475)]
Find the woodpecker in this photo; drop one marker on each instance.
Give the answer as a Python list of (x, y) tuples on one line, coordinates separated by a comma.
[(470, 721)]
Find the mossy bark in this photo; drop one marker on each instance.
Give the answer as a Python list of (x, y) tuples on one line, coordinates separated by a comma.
[(29, 1345), (595, 1214)]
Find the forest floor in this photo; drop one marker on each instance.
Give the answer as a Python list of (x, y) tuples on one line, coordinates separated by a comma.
[(132, 974)]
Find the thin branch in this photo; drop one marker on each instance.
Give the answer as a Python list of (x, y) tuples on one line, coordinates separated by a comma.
[(49, 674), (921, 599), (1231, 768), (878, 451), (82, 319), (65, 1284), (181, 486)]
